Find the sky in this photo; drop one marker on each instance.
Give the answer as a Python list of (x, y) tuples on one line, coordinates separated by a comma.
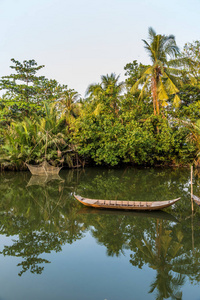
[(80, 40)]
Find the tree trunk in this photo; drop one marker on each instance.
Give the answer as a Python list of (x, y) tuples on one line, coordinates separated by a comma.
[(154, 94), (156, 106)]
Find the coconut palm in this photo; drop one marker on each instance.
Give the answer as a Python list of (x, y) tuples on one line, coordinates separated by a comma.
[(67, 103), (109, 84), (162, 76), (107, 92)]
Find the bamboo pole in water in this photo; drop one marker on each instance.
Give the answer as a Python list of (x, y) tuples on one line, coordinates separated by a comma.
[(192, 224), (192, 203)]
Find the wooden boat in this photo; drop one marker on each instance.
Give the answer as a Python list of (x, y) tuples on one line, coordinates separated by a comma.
[(43, 169), (130, 205), (196, 199)]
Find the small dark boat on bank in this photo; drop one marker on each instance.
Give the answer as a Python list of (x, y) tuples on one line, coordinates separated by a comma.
[(127, 205)]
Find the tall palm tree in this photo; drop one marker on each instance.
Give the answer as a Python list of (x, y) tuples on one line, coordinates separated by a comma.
[(163, 75)]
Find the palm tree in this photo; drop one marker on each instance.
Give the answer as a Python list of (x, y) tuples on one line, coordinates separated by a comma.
[(68, 102), (29, 139), (108, 91), (162, 76)]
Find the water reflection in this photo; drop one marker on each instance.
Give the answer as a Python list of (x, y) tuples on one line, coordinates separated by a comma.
[(46, 217), (40, 216), (42, 180), (161, 252), (160, 214)]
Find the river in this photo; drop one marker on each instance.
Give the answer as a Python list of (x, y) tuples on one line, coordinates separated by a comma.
[(52, 247)]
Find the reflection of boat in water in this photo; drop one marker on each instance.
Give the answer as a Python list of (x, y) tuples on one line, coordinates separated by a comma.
[(161, 215), (196, 199), (43, 179), (130, 205), (43, 169)]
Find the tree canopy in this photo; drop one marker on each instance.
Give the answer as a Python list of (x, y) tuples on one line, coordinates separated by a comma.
[(150, 119)]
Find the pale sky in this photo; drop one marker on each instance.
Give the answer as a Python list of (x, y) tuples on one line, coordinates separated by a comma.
[(80, 40)]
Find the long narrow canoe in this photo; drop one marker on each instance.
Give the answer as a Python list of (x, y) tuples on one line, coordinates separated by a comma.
[(196, 199), (130, 205)]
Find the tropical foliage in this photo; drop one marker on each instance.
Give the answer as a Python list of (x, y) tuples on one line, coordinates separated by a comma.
[(150, 119)]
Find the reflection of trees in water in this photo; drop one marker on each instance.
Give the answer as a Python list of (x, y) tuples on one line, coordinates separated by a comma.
[(161, 244), (44, 218), (140, 182), (47, 217), (160, 253), (111, 233), (197, 181), (189, 263), (139, 185)]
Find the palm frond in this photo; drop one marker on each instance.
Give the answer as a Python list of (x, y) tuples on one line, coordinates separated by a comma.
[(162, 94), (171, 87), (149, 50), (151, 33), (176, 101), (144, 87), (94, 89), (141, 80)]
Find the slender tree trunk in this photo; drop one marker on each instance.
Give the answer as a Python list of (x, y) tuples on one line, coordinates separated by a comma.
[(154, 106), (157, 106), (154, 94)]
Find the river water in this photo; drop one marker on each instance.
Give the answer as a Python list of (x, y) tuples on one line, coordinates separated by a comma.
[(52, 247)]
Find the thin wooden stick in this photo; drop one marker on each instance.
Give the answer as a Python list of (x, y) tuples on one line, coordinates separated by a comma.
[(192, 203), (192, 223)]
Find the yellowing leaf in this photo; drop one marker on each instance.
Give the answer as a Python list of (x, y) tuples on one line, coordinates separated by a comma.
[(177, 101), (164, 103), (162, 95), (172, 89)]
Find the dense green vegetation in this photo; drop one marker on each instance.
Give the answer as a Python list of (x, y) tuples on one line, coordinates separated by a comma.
[(150, 119)]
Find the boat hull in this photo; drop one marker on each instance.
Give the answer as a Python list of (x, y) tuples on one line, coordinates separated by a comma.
[(125, 205)]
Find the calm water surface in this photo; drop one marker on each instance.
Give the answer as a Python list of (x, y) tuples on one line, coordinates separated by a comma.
[(52, 247)]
